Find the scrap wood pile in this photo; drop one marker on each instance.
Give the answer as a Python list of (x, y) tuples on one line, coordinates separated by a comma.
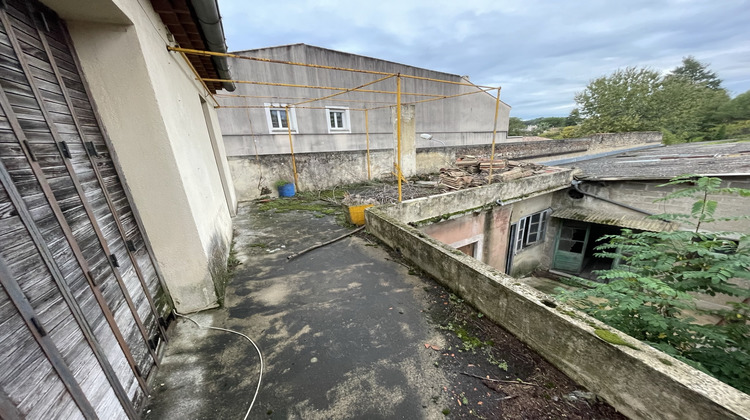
[(471, 171)]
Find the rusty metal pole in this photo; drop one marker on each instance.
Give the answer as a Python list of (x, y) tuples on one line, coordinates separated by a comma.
[(291, 146), (494, 134)]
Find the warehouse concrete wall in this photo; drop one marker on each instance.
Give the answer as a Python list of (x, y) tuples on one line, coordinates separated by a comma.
[(636, 379), (463, 120), (161, 137)]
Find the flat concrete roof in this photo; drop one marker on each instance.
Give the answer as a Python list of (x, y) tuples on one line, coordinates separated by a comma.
[(717, 158)]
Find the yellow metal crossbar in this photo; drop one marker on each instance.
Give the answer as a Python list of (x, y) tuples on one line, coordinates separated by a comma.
[(317, 66), (251, 82)]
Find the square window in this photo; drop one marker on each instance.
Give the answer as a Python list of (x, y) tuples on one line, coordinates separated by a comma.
[(276, 116), (338, 120)]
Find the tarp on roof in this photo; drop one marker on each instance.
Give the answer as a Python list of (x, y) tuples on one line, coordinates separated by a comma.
[(607, 218)]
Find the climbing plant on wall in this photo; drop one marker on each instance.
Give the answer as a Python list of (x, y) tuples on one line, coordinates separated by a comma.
[(651, 293)]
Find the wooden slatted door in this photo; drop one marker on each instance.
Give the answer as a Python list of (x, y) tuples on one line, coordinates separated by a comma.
[(81, 302)]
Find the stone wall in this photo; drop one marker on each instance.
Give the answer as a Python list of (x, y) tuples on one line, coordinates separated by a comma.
[(636, 379)]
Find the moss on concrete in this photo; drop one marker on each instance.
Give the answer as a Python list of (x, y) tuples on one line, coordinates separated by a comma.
[(613, 338), (447, 216)]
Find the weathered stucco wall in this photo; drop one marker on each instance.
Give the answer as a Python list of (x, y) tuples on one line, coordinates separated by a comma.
[(489, 228), (161, 136), (640, 382)]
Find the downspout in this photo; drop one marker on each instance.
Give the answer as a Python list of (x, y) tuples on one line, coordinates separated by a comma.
[(207, 12)]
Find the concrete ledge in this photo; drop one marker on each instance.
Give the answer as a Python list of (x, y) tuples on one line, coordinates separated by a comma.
[(462, 201), (639, 381)]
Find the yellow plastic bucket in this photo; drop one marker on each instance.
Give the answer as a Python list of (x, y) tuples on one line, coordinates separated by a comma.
[(356, 214)]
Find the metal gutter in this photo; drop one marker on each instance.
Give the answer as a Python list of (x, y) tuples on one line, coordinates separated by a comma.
[(207, 12)]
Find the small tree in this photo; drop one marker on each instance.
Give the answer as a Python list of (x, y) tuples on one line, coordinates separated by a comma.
[(649, 292)]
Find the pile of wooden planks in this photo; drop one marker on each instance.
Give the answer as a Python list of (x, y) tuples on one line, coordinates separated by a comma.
[(471, 171)]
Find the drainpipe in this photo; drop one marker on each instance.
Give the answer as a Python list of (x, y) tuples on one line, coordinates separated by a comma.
[(576, 184), (501, 203), (207, 12)]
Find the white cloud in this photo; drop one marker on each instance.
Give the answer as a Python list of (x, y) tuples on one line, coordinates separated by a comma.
[(540, 51)]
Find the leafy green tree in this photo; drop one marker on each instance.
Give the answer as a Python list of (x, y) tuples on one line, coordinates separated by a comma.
[(574, 118), (697, 73), (619, 102), (685, 104), (736, 109), (648, 294), (516, 127), (688, 110)]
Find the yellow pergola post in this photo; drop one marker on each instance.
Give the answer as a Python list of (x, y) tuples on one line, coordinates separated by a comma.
[(494, 134), (291, 147), (367, 137), (398, 133)]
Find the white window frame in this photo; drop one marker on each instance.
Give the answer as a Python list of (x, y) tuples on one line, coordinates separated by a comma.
[(280, 107), (347, 128), (529, 228)]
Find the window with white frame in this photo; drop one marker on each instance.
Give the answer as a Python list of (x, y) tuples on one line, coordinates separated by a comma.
[(276, 116), (531, 230), (338, 120)]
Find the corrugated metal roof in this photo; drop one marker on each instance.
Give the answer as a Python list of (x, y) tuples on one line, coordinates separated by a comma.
[(607, 218), (724, 157)]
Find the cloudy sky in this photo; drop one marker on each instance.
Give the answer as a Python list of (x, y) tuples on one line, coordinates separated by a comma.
[(540, 51)]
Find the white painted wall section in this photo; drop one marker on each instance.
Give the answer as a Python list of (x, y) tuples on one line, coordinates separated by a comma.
[(161, 136)]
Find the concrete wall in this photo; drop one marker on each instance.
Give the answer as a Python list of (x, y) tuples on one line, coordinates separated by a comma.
[(462, 120), (640, 382), (251, 172), (161, 137), (643, 194)]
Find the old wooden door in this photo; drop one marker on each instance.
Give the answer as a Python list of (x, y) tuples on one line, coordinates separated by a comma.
[(80, 300), (570, 246)]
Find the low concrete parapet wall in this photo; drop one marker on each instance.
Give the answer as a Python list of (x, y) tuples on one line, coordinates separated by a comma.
[(636, 379)]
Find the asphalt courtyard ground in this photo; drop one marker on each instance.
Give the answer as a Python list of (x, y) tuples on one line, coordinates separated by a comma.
[(348, 331)]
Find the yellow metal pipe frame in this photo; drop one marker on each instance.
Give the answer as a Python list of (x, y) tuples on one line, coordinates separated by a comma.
[(226, 95), (437, 99), (494, 134), (398, 133), (385, 92), (198, 77), (343, 92), (293, 106), (318, 66), (291, 147), (367, 138)]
